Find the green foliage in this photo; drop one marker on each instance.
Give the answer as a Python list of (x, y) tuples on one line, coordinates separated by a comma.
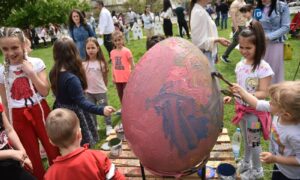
[(42, 12), (136, 5)]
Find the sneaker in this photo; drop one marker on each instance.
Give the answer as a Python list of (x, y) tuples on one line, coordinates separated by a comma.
[(252, 174), (243, 166), (108, 130), (225, 59)]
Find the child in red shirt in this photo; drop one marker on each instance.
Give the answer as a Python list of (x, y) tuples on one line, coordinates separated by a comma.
[(75, 162)]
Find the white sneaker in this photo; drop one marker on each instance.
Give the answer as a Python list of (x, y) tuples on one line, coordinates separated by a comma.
[(252, 174), (243, 166), (108, 130)]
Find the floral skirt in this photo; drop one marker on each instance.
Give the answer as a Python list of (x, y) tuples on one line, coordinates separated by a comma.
[(87, 125)]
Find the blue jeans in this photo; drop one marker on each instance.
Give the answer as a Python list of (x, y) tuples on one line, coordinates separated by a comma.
[(224, 21)]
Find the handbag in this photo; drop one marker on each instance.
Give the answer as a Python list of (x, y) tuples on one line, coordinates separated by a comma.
[(288, 51)]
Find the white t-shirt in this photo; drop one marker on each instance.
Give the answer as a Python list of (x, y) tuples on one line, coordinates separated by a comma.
[(106, 24), (19, 88), (285, 141), (249, 79), (94, 77)]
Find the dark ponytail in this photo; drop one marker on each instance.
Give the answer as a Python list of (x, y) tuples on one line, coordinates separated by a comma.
[(256, 35)]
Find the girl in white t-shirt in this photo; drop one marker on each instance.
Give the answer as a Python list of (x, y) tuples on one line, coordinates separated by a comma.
[(23, 88), (253, 74), (96, 70)]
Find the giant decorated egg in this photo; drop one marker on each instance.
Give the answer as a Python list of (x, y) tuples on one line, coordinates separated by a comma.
[(172, 109)]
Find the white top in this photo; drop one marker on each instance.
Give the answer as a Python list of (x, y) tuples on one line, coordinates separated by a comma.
[(285, 141), (19, 88), (203, 30), (106, 24), (131, 16), (249, 79), (167, 14), (148, 20), (94, 77)]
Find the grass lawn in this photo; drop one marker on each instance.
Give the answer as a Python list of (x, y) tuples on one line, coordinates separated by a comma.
[(138, 48)]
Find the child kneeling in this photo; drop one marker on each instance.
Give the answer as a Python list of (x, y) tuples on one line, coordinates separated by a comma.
[(75, 162)]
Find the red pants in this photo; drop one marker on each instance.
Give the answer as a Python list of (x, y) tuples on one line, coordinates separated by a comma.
[(120, 90), (29, 125)]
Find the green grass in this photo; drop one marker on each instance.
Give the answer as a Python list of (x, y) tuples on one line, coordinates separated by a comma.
[(138, 48)]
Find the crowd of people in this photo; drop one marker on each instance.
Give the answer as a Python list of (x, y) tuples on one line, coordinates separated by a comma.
[(79, 80)]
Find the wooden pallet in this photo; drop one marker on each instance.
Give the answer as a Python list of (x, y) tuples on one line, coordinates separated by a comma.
[(129, 165)]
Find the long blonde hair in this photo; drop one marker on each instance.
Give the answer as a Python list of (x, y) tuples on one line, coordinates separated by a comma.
[(286, 96)]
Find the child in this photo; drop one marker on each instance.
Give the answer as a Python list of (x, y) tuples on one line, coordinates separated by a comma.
[(255, 75), (247, 11), (151, 41), (24, 86), (12, 153), (75, 162), (96, 74), (285, 134), (68, 82), (122, 62)]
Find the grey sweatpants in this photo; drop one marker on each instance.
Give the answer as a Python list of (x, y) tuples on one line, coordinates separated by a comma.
[(99, 99), (251, 132)]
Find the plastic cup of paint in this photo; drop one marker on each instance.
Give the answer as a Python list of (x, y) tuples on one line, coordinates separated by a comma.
[(115, 145), (226, 171)]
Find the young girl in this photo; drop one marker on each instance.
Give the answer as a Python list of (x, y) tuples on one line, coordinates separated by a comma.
[(23, 86), (255, 75), (68, 81), (285, 133), (12, 153), (96, 74), (122, 62)]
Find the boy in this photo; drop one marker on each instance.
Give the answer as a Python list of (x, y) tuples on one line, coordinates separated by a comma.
[(75, 162)]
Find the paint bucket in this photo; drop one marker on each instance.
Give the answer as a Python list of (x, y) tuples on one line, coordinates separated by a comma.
[(226, 171), (115, 145)]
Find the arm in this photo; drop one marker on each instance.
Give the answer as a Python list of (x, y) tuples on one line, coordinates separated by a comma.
[(3, 97), (19, 153), (247, 97), (39, 79), (269, 158), (75, 91), (284, 26), (130, 59), (262, 91)]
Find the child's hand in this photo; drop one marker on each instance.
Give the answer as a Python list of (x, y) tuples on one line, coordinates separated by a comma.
[(267, 157), (27, 68), (27, 163), (108, 110), (19, 155), (236, 88), (227, 99)]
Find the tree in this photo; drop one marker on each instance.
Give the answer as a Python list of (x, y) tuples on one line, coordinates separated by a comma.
[(6, 6), (42, 12)]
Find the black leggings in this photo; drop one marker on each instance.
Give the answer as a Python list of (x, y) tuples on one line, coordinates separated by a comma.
[(277, 175)]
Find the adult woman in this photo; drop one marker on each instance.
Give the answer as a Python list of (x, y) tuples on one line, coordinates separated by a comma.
[(148, 19), (167, 15), (79, 30), (204, 31), (276, 22)]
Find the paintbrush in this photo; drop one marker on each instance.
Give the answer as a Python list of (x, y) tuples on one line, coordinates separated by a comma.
[(220, 76)]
